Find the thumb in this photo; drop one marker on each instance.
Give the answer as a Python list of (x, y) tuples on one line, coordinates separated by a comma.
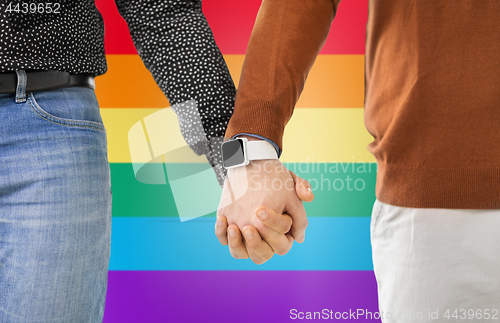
[(302, 188)]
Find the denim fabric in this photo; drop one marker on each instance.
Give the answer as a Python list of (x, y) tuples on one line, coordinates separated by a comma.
[(55, 206)]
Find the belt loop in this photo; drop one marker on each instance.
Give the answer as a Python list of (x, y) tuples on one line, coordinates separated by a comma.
[(21, 86)]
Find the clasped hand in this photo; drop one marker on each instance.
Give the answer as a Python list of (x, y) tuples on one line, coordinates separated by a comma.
[(262, 200)]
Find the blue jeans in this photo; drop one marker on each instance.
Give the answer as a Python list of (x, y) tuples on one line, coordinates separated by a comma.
[(55, 206)]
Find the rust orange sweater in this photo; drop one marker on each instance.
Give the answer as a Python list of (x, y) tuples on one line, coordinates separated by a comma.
[(432, 92)]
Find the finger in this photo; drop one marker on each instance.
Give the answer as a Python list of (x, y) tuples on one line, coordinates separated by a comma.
[(299, 218), (236, 245), (286, 246), (280, 223), (257, 259), (302, 188), (280, 243), (254, 257), (221, 229), (234, 254), (258, 250), (274, 234)]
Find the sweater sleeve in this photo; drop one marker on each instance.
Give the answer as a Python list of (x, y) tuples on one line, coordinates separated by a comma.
[(286, 38), (176, 45)]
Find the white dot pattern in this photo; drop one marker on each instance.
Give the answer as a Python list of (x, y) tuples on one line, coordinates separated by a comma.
[(172, 38), (72, 40), (177, 46)]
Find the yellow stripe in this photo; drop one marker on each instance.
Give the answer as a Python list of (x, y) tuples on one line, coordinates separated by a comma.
[(312, 135), (335, 81), (326, 135)]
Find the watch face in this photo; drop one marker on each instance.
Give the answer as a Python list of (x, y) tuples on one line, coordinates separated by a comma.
[(232, 153)]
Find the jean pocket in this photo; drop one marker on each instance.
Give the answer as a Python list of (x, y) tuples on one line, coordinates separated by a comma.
[(72, 107)]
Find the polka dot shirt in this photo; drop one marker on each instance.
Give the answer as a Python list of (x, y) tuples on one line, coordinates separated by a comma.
[(172, 37)]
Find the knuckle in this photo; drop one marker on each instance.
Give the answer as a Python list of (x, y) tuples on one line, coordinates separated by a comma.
[(243, 257), (304, 224), (282, 250), (238, 254), (259, 261)]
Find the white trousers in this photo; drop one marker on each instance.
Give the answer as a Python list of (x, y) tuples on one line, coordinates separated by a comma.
[(436, 265)]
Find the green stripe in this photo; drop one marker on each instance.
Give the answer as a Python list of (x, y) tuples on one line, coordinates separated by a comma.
[(341, 190)]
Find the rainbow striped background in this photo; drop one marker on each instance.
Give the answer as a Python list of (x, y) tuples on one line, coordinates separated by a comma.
[(162, 270)]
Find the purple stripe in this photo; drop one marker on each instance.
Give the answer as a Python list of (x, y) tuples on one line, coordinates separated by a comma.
[(235, 296)]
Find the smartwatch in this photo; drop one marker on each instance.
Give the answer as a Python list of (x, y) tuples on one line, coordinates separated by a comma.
[(240, 151)]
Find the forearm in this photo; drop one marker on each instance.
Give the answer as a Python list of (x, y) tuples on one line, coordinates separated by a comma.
[(177, 46), (287, 37)]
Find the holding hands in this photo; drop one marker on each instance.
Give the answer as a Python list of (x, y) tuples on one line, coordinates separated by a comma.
[(269, 213)]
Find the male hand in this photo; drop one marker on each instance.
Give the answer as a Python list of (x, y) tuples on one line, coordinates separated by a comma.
[(267, 186), (252, 245)]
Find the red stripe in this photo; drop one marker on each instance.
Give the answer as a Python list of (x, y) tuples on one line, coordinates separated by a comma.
[(117, 39), (232, 21)]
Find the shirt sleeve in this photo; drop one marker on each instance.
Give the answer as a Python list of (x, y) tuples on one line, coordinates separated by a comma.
[(176, 45), (286, 38)]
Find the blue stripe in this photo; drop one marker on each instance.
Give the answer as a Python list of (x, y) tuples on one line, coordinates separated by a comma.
[(148, 243)]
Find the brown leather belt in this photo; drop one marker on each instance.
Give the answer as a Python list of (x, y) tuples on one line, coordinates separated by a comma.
[(45, 80)]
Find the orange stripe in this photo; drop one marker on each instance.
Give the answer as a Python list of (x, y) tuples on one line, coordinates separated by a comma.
[(335, 81)]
